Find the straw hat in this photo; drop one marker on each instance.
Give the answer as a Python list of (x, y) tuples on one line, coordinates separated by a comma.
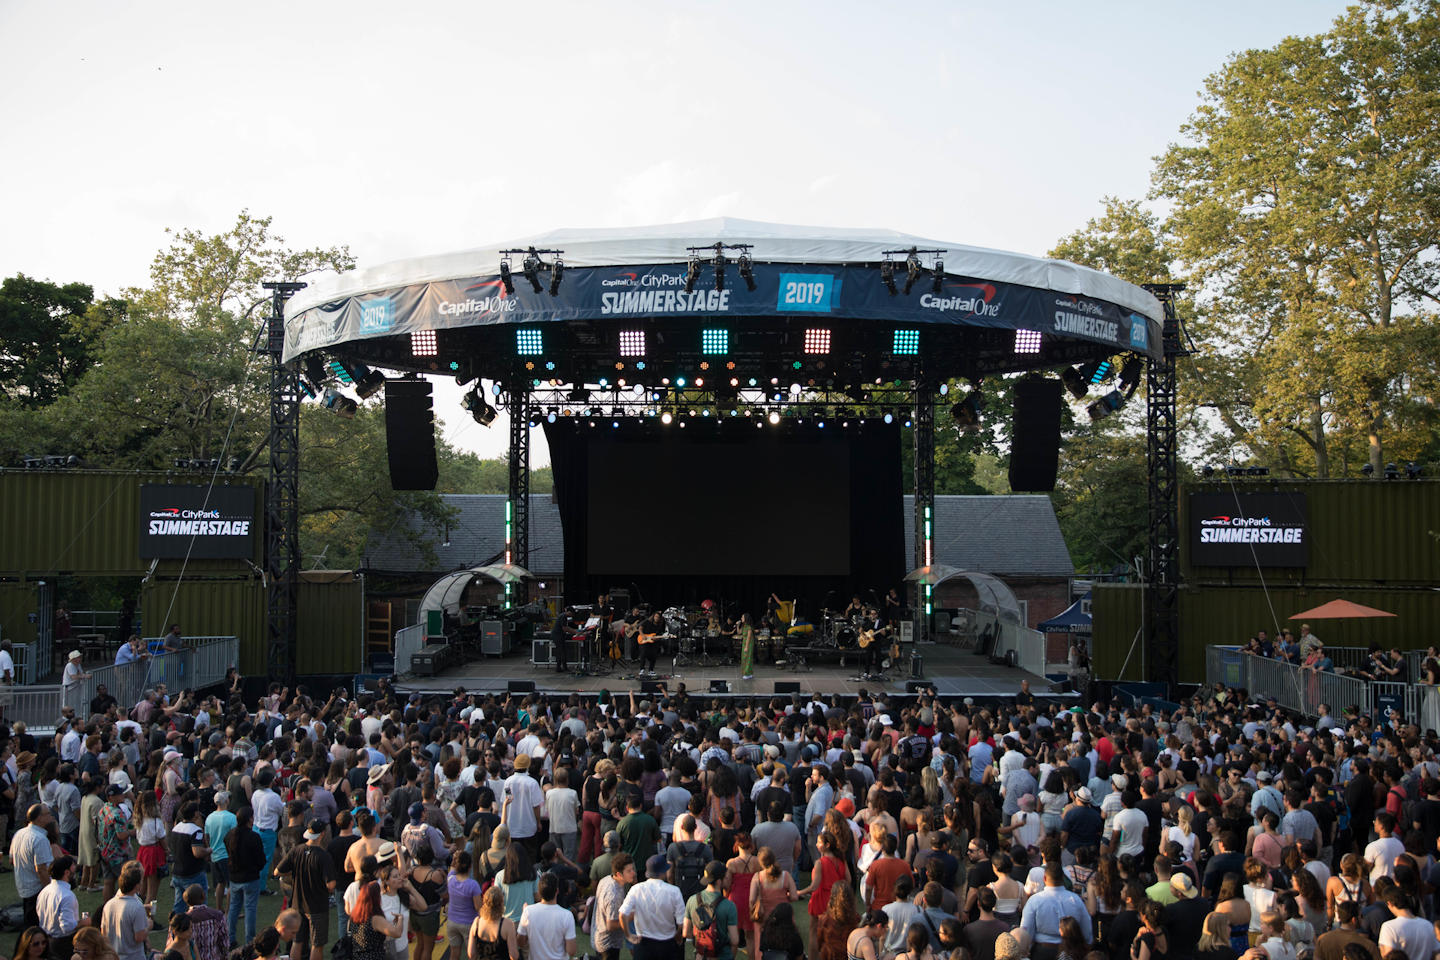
[(377, 772), (74, 654), (25, 759)]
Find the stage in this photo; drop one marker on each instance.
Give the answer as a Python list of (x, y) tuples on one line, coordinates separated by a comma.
[(955, 672)]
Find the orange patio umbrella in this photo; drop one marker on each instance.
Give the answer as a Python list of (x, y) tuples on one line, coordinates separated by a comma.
[(1340, 610)]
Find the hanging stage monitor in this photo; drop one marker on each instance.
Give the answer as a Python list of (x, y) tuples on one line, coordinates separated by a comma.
[(1248, 530), (196, 521)]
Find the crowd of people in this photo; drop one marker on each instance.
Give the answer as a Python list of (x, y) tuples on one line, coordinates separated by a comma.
[(823, 828)]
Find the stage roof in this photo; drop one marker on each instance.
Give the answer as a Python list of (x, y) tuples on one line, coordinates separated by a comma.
[(774, 242)]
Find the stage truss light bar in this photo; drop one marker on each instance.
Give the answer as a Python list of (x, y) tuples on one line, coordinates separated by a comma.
[(529, 343), (632, 343), (1103, 370), (715, 341), (817, 340), (424, 343), (342, 374), (905, 342), (1027, 341)]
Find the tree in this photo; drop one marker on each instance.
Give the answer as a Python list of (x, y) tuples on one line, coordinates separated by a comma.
[(46, 342), (1307, 207)]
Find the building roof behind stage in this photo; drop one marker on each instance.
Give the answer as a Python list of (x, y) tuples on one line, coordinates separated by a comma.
[(477, 536), (1015, 535)]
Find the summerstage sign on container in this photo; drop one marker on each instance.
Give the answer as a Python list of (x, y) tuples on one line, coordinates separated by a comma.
[(196, 521)]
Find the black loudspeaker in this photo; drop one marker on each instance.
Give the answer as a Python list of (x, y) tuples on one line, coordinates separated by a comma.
[(521, 686), (651, 686), (787, 686), (410, 435), (719, 686), (1035, 435)]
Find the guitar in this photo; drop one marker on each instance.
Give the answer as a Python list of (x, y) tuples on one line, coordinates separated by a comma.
[(868, 637), (652, 637)]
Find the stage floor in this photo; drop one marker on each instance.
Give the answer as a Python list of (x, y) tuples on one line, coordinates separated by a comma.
[(953, 671)]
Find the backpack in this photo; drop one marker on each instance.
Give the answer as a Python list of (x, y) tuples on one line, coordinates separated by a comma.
[(1405, 822), (690, 869), (707, 931)]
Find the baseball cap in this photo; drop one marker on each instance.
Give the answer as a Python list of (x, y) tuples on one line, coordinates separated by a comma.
[(417, 812), (714, 872), (315, 831), (1182, 886), (657, 866), (113, 790)]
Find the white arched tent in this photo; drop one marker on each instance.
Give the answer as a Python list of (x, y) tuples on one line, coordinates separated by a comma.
[(996, 598), (446, 593)]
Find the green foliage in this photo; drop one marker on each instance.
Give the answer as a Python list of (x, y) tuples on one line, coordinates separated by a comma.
[(1306, 198), (46, 341), (467, 473)]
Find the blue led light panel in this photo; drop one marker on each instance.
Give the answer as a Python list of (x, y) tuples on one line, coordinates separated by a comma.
[(715, 341), (529, 343), (906, 342)]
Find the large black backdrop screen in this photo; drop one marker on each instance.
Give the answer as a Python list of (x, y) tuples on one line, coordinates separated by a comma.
[(716, 509)]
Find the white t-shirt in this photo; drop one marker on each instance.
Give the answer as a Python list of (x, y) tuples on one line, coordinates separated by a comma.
[(561, 804), (7, 665), (1187, 843), (1029, 834), (1131, 823), (1414, 935), (1382, 854), (548, 926), (72, 675)]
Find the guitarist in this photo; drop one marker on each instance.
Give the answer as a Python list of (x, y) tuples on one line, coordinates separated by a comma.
[(872, 639), (649, 646), (630, 626)]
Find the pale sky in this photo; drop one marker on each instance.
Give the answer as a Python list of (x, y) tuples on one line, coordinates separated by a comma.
[(412, 129)]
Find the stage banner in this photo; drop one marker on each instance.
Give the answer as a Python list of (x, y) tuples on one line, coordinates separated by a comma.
[(1248, 529), (807, 292), (196, 521)]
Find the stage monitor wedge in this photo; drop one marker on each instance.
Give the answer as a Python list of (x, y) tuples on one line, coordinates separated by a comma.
[(1035, 435), (410, 435), (787, 686)]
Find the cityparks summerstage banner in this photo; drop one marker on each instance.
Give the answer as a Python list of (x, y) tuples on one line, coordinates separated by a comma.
[(794, 290)]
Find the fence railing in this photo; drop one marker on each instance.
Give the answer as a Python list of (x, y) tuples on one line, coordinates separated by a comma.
[(408, 642), (1350, 658), (1029, 645), (1293, 689), (204, 664)]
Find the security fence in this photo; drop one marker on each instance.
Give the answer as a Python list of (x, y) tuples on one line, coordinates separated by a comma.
[(407, 643), (1292, 688)]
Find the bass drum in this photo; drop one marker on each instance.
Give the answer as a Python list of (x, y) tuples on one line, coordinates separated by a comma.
[(846, 638)]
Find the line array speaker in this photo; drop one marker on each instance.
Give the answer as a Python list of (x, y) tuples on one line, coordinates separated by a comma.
[(410, 435), (1035, 435)]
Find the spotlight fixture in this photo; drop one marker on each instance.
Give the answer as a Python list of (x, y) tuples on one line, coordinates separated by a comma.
[(557, 273), (817, 341), (370, 383), (475, 404), (720, 262), (1391, 473), (233, 466), (1106, 405), (1027, 341), (692, 274), (34, 463), (937, 274), (774, 417), (912, 272), (747, 272), (1097, 371), (1257, 471), (531, 268), (1207, 471), (665, 417), (507, 280), (1130, 374), (339, 404), (1075, 382), (551, 415), (632, 343), (1412, 470), (887, 276), (1368, 469), (424, 343), (967, 412), (1234, 470)]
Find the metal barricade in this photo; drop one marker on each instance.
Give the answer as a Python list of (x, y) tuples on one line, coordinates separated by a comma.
[(1401, 696), (1029, 645), (1292, 688), (408, 641), (38, 706)]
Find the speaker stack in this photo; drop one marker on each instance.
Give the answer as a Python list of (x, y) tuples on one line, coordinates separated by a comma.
[(410, 435), (1035, 435)]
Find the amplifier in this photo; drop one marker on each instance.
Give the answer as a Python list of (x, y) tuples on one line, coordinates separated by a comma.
[(496, 638), (540, 653), (428, 661)]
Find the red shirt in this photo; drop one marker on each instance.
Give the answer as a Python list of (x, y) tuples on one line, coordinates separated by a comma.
[(881, 877), (1105, 748)]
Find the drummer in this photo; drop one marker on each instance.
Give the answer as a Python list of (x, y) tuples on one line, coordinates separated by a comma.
[(856, 608)]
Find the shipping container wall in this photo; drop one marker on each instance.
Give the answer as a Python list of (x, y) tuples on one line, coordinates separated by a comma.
[(331, 627), (17, 602), (212, 608), (1361, 531), (1115, 610), (88, 522)]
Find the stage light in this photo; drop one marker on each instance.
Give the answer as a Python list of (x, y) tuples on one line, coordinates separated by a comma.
[(1099, 370), (905, 342), (1391, 473), (1027, 341), (937, 272), (692, 275), (795, 389), (535, 419), (531, 267), (339, 404), (338, 369), (1077, 384), (1412, 470), (370, 383), (1207, 471), (774, 417), (719, 270), (692, 413), (475, 404), (889, 418), (887, 276), (665, 417), (715, 341), (557, 272), (632, 343), (1368, 469), (506, 279), (550, 415), (680, 382), (604, 382), (966, 413), (747, 272), (734, 381), (944, 389), (912, 272), (424, 343), (1257, 471), (529, 343), (817, 340), (615, 423), (1106, 405), (699, 381)]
